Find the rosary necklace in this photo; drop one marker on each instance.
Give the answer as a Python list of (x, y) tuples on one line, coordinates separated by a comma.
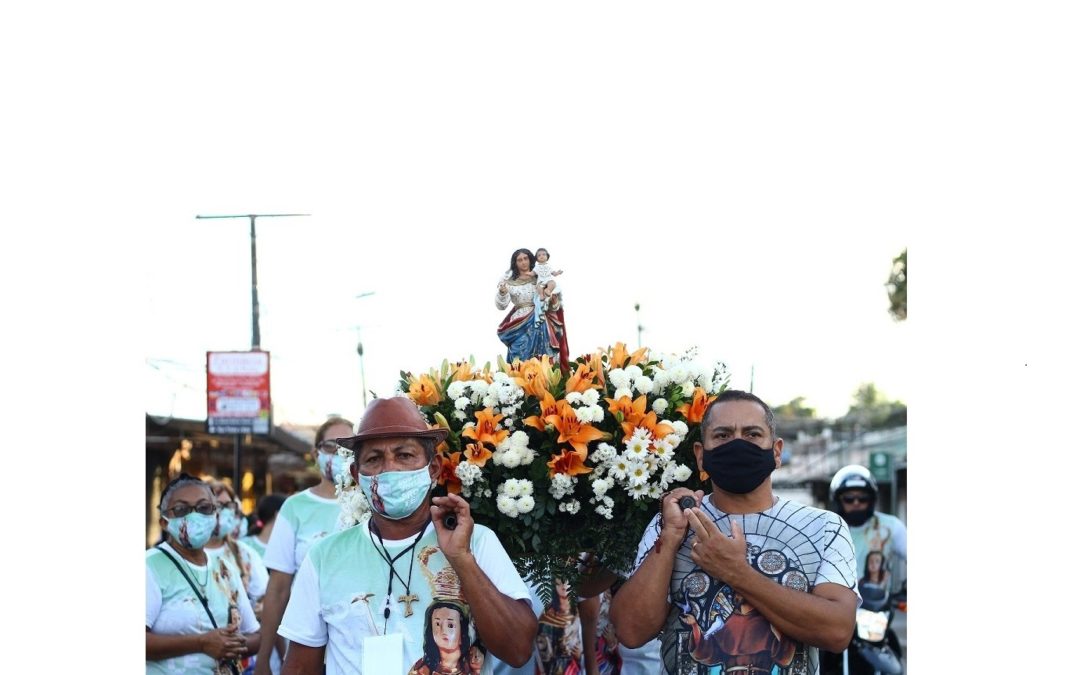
[(407, 598)]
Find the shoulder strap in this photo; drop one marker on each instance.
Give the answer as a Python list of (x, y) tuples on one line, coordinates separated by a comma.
[(198, 595)]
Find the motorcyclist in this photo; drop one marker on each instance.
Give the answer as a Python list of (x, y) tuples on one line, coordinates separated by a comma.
[(853, 493)]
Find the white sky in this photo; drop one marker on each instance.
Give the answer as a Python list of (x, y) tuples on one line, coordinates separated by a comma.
[(744, 172), (753, 212)]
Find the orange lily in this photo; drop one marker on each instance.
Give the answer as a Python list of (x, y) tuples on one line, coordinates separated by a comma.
[(573, 431), (583, 379), (620, 358), (424, 391), (486, 429), (447, 476), (547, 407), (534, 375), (658, 430), (462, 372), (569, 462), (478, 454), (633, 412), (694, 410)]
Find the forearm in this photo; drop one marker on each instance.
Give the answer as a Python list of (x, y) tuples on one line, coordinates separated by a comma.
[(639, 608), (303, 660), (507, 626), (277, 597), (825, 622), (159, 647), (251, 643)]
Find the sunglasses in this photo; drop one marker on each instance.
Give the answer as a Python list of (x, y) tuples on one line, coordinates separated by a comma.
[(855, 499)]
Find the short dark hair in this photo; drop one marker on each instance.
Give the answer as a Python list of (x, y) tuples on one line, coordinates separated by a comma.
[(544, 250), (737, 395), (183, 480)]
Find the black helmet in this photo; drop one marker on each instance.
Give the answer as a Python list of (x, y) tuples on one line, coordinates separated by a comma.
[(853, 477)]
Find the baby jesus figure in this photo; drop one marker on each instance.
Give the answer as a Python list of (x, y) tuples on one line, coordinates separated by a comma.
[(546, 285)]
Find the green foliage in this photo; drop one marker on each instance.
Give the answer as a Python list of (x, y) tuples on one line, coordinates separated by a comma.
[(897, 287), (795, 408), (871, 410)]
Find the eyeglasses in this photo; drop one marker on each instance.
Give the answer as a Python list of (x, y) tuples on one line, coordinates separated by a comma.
[(328, 446), (230, 506), (855, 499), (182, 510)]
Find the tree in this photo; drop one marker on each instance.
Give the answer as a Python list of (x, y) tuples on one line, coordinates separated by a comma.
[(794, 408), (897, 287), (871, 410)]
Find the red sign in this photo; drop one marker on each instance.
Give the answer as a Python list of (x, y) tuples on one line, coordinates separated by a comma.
[(238, 392)]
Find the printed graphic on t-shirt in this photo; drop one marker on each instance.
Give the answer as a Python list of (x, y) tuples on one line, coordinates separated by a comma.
[(712, 629)]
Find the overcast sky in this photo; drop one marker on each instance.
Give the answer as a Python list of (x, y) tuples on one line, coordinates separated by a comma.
[(742, 190)]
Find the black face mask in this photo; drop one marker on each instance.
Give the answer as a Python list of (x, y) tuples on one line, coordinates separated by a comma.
[(738, 466), (856, 518)]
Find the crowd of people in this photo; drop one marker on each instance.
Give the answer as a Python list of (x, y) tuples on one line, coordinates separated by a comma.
[(737, 578)]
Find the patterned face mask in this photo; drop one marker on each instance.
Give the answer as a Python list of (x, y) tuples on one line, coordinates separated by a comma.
[(397, 494), (193, 530), (331, 466)]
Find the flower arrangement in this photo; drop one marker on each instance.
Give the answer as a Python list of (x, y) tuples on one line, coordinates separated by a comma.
[(562, 464)]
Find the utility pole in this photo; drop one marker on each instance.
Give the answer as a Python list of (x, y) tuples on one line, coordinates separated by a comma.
[(254, 315)]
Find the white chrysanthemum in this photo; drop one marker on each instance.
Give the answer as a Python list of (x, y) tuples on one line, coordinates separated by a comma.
[(659, 406), (663, 447), (511, 487), (682, 472), (511, 458), (638, 474), (618, 378), (640, 433), (623, 391), (527, 456), (500, 377), (459, 416), (467, 473), (605, 511), (526, 487), (634, 371), (584, 415), (661, 379), (571, 507), (678, 374), (462, 403), (597, 412), (487, 493), (680, 427), (573, 397), (604, 452), (639, 491), (507, 505), (600, 487), (519, 439), (620, 467), (525, 504), (455, 389), (688, 389), (653, 462), (654, 491), (561, 485), (490, 400), (590, 397), (674, 439)]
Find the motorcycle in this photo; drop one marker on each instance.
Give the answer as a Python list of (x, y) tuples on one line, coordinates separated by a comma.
[(875, 648)]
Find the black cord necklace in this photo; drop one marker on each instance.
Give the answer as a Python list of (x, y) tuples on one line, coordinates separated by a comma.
[(408, 598)]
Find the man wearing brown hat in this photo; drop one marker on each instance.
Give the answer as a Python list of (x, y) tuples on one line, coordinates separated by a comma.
[(361, 597)]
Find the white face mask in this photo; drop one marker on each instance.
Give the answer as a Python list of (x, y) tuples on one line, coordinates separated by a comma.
[(332, 466), (397, 494)]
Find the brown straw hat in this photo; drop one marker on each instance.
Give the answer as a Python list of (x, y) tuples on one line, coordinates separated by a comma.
[(392, 417)]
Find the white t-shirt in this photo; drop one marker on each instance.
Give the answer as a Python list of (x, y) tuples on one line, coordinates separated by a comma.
[(304, 518), (340, 592), (258, 577), (792, 544), (172, 608)]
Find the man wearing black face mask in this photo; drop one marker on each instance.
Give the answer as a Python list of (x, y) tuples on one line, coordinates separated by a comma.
[(744, 579)]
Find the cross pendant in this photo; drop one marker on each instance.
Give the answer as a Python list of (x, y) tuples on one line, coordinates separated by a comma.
[(408, 600)]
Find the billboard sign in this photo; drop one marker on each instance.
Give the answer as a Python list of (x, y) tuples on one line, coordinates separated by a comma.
[(238, 392)]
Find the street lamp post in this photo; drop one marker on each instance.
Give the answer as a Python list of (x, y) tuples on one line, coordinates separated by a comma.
[(255, 339), (360, 352)]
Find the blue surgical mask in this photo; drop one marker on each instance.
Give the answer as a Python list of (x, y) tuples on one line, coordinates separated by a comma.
[(397, 494), (193, 530), (331, 466), (242, 531)]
